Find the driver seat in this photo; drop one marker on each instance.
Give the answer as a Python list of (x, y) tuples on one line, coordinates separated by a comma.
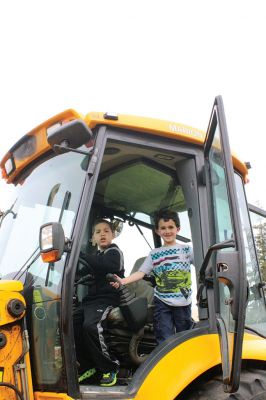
[(141, 289), (138, 325)]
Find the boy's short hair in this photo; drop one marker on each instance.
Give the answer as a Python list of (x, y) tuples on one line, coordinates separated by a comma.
[(102, 221), (166, 215)]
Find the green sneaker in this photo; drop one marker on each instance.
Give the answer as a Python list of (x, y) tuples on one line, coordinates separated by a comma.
[(87, 374), (109, 379)]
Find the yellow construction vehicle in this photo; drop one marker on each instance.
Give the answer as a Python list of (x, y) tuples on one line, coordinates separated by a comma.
[(69, 171)]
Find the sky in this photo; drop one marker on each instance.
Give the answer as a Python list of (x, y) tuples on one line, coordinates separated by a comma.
[(164, 59)]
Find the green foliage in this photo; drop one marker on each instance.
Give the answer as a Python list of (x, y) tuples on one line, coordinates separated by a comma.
[(260, 239)]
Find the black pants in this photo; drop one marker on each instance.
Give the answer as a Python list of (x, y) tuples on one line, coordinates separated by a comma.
[(91, 348)]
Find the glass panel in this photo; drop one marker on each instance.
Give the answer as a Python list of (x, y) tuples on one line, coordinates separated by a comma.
[(259, 229), (222, 215), (223, 222), (256, 307), (51, 192), (139, 187), (52, 189)]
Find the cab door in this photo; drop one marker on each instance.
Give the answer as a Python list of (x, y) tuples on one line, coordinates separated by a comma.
[(225, 264)]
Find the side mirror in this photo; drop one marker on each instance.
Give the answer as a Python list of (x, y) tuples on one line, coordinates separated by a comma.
[(51, 241), (69, 136)]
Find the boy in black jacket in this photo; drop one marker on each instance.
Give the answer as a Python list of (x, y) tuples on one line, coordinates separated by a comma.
[(97, 304)]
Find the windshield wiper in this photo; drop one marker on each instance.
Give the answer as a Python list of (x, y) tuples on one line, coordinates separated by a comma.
[(64, 205), (21, 271), (3, 214)]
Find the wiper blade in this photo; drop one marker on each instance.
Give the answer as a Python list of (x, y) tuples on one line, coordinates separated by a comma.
[(3, 214), (34, 257), (64, 205)]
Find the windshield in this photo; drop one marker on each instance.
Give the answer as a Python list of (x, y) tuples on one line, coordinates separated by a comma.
[(51, 192)]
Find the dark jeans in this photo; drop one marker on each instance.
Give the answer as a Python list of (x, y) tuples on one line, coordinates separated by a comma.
[(169, 319)]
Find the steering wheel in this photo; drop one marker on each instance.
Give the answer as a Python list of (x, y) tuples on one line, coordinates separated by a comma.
[(89, 277)]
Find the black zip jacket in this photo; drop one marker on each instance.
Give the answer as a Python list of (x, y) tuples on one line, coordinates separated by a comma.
[(108, 261)]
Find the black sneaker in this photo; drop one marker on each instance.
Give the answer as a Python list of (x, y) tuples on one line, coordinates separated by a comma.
[(109, 379), (87, 374)]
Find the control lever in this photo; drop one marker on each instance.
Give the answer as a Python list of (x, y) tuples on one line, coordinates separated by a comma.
[(134, 309), (125, 294)]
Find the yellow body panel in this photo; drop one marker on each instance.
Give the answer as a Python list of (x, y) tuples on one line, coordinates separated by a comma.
[(158, 127), (254, 347), (175, 371), (8, 358), (51, 396), (12, 286), (151, 126), (185, 363), (42, 145), (15, 352), (9, 290)]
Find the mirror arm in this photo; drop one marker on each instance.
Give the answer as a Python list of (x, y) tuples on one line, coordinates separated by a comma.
[(68, 245), (64, 148)]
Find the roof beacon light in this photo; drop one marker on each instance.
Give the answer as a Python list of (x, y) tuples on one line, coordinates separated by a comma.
[(53, 128), (112, 116)]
